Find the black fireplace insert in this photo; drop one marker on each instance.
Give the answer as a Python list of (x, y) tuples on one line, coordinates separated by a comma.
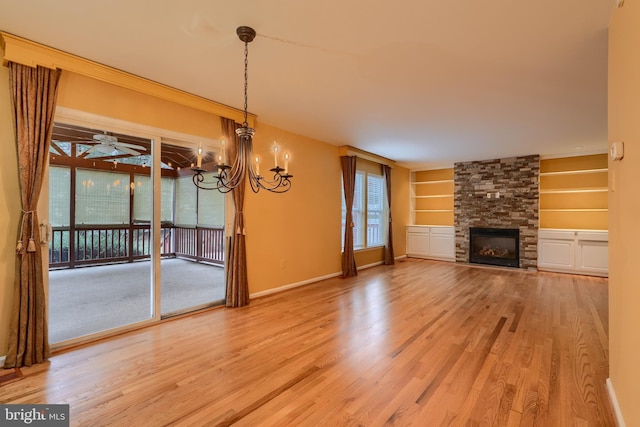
[(495, 246)]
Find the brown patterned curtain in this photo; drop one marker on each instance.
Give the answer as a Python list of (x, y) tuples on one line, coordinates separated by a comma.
[(33, 92), (389, 258), (349, 268), (237, 283)]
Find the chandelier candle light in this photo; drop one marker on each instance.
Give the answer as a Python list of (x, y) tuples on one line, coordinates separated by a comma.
[(230, 176)]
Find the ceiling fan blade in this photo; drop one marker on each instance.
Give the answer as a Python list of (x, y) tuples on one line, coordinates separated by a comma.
[(104, 149), (127, 150), (126, 144)]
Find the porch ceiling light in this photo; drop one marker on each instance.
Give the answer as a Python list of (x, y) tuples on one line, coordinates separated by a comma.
[(230, 176)]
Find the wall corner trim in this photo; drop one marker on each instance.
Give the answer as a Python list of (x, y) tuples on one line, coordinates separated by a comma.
[(614, 403)]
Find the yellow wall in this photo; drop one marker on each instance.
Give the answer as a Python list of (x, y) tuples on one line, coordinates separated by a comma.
[(624, 206), (573, 192), (291, 238), (9, 206), (295, 236), (87, 94)]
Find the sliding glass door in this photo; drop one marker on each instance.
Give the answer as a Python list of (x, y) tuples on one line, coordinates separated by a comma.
[(132, 240), (98, 280), (193, 273)]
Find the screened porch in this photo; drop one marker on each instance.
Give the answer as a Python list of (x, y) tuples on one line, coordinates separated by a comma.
[(100, 202)]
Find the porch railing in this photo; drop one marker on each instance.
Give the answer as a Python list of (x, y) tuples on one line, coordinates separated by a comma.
[(115, 243)]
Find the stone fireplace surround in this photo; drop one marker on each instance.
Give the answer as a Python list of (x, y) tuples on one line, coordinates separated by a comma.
[(501, 193)]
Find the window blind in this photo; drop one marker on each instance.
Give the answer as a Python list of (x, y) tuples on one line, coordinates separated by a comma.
[(102, 197), (142, 198), (59, 197), (186, 202), (210, 205)]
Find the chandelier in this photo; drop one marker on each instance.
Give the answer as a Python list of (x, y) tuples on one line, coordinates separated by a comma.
[(230, 176)]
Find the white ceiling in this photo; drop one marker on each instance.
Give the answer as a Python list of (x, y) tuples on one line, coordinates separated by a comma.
[(422, 82)]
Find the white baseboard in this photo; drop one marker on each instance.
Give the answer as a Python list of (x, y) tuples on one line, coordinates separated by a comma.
[(614, 403), (2, 359), (293, 285), (315, 279), (375, 264)]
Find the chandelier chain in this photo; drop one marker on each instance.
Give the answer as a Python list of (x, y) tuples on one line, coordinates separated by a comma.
[(246, 82)]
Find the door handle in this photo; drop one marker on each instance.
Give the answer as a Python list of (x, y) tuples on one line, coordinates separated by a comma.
[(45, 233)]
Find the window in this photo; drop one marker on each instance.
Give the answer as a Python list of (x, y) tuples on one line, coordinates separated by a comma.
[(369, 211), (376, 211)]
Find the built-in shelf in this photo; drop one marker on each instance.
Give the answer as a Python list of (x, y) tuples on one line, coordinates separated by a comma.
[(574, 191), (442, 181), (574, 210), (431, 197), (573, 172)]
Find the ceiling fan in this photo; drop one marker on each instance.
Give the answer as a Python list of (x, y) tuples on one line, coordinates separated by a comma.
[(108, 144)]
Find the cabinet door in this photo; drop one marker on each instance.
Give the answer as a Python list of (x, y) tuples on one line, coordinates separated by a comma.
[(418, 244), (556, 254), (442, 246), (593, 256)]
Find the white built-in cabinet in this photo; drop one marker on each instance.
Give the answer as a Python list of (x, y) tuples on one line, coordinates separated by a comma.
[(433, 242), (574, 251)]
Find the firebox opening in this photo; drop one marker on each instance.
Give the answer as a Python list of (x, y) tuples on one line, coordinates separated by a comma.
[(494, 246)]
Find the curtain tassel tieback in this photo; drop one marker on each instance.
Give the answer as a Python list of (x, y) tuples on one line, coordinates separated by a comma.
[(243, 231), (31, 244)]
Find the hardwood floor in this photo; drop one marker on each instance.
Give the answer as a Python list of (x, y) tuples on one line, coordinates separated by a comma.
[(421, 343)]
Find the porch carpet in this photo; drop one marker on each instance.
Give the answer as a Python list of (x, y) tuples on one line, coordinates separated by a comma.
[(92, 299)]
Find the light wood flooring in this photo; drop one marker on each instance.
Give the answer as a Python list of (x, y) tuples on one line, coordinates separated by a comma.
[(420, 343)]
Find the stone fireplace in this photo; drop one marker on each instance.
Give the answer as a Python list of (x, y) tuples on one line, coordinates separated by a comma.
[(500, 194)]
